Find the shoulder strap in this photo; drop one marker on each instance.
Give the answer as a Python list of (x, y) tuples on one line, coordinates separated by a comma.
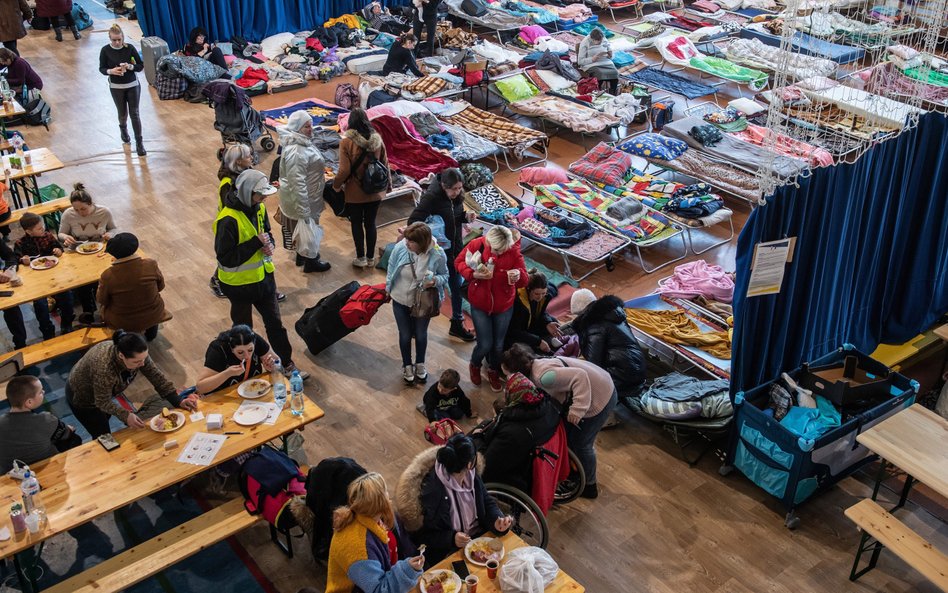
[(356, 165)]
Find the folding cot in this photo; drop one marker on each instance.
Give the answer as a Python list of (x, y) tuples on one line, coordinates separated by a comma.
[(805, 44), (680, 51), (580, 198), (574, 237)]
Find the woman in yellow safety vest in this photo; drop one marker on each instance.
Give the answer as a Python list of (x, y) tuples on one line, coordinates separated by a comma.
[(244, 246), (236, 159)]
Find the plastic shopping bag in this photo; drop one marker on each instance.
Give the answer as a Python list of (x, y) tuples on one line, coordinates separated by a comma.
[(306, 237), (527, 570)]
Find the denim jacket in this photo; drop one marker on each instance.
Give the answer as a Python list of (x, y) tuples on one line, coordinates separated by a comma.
[(437, 265)]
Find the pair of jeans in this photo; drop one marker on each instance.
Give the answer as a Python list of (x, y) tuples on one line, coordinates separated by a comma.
[(94, 420), (489, 333), (454, 283), (410, 327), (582, 439), (241, 312), (66, 313), (364, 233), (126, 102)]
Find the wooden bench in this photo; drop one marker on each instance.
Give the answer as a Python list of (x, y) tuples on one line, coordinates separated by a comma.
[(891, 533), (151, 557), (41, 209), (74, 341)]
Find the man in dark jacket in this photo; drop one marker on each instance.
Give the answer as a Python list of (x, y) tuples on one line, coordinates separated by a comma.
[(606, 340), (445, 198), (530, 324), (426, 15), (528, 420), (244, 246)]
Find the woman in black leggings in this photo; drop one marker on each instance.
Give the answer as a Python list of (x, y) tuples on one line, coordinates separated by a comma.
[(120, 61)]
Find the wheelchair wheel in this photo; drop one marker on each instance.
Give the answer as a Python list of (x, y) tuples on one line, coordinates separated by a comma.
[(569, 489), (528, 522)]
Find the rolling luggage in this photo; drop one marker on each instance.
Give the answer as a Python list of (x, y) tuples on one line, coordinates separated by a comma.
[(320, 326), (794, 467), (153, 48)]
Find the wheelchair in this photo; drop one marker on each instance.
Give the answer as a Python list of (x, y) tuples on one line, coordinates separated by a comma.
[(529, 520)]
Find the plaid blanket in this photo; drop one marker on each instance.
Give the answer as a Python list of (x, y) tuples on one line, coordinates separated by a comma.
[(426, 85), (604, 164), (569, 114), (495, 128), (579, 198)]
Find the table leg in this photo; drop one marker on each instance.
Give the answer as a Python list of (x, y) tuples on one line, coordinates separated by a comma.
[(32, 190), (23, 562), (15, 194), (879, 477), (909, 480)]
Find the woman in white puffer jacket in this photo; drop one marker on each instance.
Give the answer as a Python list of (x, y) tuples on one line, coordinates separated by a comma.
[(302, 179)]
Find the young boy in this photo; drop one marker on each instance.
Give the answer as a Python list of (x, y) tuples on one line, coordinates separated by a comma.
[(30, 436), (37, 241), (445, 399)]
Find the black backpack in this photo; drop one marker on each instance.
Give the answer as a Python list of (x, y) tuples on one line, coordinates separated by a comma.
[(38, 113), (474, 7), (376, 176)]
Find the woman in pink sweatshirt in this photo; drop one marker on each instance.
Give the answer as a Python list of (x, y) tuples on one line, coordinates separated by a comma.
[(584, 387)]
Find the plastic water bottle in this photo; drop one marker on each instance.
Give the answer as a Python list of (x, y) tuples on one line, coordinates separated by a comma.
[(30, 487), (296, 394), (278, 384)]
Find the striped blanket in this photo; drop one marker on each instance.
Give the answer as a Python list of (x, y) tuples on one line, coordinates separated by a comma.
[(495, 128)]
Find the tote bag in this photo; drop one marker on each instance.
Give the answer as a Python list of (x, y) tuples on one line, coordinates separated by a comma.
[(306, 237)]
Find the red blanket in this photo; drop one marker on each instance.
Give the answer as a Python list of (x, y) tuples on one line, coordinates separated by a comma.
[(407, 155), (549, 472), (251, 76)]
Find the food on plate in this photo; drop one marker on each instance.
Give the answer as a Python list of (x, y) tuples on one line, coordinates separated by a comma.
[(44, 263), (167, 421), (443, 581), (483, 549), (90, 247), (257, 386)]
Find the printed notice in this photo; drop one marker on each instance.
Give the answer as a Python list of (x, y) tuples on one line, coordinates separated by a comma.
[(770, 261), (202, 448)]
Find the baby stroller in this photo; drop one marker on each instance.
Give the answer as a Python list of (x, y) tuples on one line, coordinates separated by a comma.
[(235, 118)]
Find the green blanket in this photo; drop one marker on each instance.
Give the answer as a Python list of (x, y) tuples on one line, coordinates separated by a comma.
[(927, 75), (730, 71)]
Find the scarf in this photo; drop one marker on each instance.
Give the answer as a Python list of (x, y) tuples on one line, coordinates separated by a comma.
[(463, 507)]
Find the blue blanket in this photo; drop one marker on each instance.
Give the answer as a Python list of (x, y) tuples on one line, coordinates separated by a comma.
[(668, 81)]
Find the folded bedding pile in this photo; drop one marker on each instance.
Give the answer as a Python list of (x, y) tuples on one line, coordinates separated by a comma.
[(756, 54), (924, 68), (679, 397), (623, 215), (536, 223)]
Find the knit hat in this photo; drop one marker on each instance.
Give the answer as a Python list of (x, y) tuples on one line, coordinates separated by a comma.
[(580, 300), (520, 389), (297, 120), (122, 245)]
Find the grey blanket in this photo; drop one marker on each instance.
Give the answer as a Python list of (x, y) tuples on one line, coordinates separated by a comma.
[(736, 152), (193, 68)]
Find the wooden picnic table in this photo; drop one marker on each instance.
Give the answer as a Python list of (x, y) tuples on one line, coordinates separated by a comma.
[(86, 482), (72, 271), (24, 179)]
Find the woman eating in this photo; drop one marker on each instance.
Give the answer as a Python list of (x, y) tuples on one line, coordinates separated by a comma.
[(368, 551), (105, 372), (85, 221), (416, 263), (443, 501), (494, 270), (233, 357)]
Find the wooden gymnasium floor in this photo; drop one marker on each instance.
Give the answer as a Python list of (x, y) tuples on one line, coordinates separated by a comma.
[(658, 526)]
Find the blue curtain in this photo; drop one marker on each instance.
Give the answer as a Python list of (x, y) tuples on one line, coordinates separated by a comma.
[(172, 20), (871, 259)]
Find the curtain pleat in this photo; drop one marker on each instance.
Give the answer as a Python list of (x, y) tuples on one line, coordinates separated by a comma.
[(871, 258)]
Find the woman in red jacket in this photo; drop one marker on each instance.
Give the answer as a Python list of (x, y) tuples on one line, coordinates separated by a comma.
[(493, 267)]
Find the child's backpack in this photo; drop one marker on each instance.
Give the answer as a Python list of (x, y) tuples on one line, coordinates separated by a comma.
[(346, 96), (438, 432), (269, 480), (82, 18), (362, 305), (662, 114)]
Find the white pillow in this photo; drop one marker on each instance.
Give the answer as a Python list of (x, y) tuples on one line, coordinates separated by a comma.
[(554, 80), (748, 106)]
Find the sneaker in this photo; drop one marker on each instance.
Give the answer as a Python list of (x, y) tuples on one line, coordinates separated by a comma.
[(370, 262), (289, 368), (611, 422), (85, 319), (459, 331), (280, 297), (475, 373), (360, 262), (590, 491), (494, 379), (421, 409), (421, 373), (408, 374)]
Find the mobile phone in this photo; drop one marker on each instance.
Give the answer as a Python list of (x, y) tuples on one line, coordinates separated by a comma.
[(4, 293), (108, 442), (460, 568)]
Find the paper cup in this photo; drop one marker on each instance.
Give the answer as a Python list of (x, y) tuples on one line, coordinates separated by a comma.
[(471, 582), (492, 569), (33, 522)]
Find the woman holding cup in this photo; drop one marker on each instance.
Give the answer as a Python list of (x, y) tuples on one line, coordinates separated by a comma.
[(494, 269), (121, 63)]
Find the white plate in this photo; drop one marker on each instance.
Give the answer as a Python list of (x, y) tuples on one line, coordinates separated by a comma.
[(470, 545), (154, 426), (93, 247), (455, 580), (244, 390), (35, 265), (250, 415)]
